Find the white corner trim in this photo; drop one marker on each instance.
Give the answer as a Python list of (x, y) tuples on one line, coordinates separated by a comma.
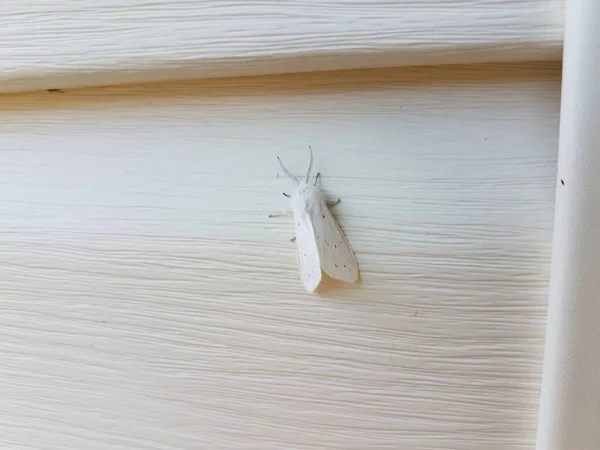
[(75, 43), (569, 413)]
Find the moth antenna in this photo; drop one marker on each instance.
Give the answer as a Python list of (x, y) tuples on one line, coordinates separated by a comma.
[(317, 178), (287, 172), (309, 165)]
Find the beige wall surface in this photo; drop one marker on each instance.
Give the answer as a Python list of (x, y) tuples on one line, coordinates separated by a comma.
[(148, 302), (75, 43)]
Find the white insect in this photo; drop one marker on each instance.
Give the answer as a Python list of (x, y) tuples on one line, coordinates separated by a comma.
[(319, 240)]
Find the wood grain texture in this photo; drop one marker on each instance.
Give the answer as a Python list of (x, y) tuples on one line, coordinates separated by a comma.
[(147, 301), (74, 43)]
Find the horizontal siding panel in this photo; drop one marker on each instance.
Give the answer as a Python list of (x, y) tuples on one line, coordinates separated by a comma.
[(75, 43), (149, 302)]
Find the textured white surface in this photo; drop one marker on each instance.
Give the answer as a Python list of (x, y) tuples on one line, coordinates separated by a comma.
[(67, 43), (570, 400), (147, 302)]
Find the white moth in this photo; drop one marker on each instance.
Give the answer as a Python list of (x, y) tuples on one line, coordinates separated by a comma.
[(319, 240)]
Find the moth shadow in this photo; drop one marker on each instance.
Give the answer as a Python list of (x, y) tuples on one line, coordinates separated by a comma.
[(329, 284)]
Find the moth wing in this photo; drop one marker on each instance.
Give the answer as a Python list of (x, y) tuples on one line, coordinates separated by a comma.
[(334, 251), (308, 254)]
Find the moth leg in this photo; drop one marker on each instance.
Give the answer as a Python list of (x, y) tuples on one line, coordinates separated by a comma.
[(317, 178), (287, 195), (333, 203), (283, 213), (293, 239)]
